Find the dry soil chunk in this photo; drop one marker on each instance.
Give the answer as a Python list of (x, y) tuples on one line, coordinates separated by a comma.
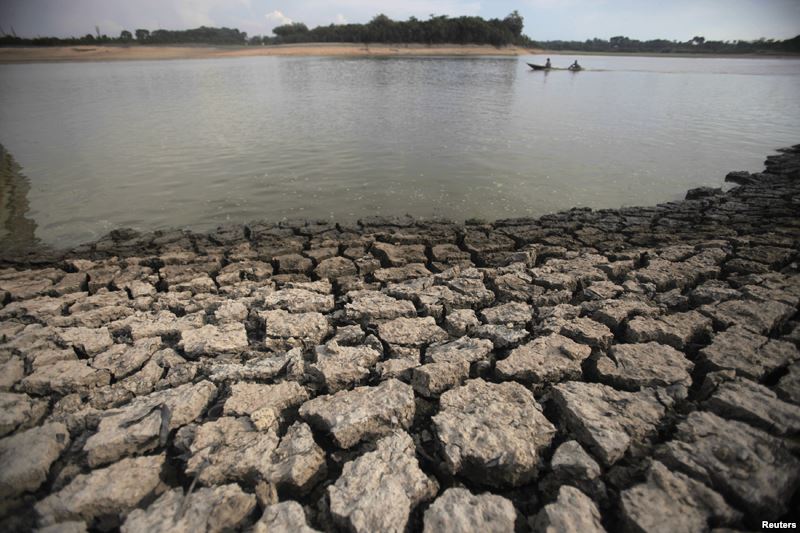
[(19, 411), (283, 517), (512, 313), (749, 354), (64, 377), (362, 413), (308, 328), (459, 322), (411, 331), (605, 420), (206, 510), (465, 349), (299, 301), (747, 466), (573, 511), (122, 360), (788, 388), (86, 340), (457, 510), (433, 379), (142, 424), (492, 433), (114, 490), (757, 316), (677, 330), (373, 306), (377, 491), (670, 501), (229, 449), (339, 367), (649, 364), (27, 456), (264, 404), (214, 340), (587, 331), (545, 359), (742, 399)]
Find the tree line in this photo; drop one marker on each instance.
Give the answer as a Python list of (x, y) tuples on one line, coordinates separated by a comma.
[(435, 30), (381, 29), (697, 44)]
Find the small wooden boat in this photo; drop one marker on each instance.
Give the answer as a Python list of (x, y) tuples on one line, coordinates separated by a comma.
[(538, 67)]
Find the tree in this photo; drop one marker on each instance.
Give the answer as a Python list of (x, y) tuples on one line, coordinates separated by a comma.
[(125, 36), (514, 22), (142, 35)]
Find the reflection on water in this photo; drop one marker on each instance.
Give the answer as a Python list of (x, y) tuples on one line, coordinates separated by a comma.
[(17, 231), (198, 143)]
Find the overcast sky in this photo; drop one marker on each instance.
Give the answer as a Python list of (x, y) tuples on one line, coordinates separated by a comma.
[(544, 19)]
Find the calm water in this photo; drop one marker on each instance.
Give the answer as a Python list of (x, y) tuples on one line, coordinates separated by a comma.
[(196, 143)]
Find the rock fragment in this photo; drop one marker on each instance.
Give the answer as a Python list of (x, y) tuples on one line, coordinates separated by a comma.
[(378, 491), (457, 510), (492, 433), (362, 413)]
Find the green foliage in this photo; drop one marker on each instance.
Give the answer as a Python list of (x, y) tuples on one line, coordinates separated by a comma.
[(125, 36), (435, 30), (697, 44)]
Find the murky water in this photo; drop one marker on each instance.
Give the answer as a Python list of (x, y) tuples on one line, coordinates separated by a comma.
[(196, 143)]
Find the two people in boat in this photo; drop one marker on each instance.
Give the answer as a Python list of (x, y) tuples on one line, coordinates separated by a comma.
[(574, 66)]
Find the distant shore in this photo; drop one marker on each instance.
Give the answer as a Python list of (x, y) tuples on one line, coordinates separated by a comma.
[(117, 53), (37, 54)]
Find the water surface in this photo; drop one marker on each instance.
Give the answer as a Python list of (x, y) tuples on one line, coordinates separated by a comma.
[(197, 143)]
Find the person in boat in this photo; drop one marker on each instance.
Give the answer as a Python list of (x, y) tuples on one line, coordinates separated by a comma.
[(575, 66), (547, 64)]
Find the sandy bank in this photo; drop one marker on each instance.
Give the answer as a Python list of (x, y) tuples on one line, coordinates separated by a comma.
[(115, 53)]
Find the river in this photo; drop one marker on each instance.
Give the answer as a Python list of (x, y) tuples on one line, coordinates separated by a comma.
[(197, 143)]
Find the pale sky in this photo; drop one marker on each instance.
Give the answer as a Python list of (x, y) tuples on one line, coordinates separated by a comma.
[(544, 19)]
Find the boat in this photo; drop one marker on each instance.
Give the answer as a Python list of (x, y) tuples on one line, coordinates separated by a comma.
[(538, 67), (573, 68)]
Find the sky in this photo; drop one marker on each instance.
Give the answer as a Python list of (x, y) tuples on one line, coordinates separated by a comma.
[(544, 19)]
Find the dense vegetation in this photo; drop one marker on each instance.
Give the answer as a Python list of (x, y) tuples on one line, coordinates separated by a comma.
[(435, 30), (662, 46)]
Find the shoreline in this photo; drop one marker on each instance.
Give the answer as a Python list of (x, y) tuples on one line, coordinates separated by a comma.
[(626, 366), (128, 53), (80, 53)]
